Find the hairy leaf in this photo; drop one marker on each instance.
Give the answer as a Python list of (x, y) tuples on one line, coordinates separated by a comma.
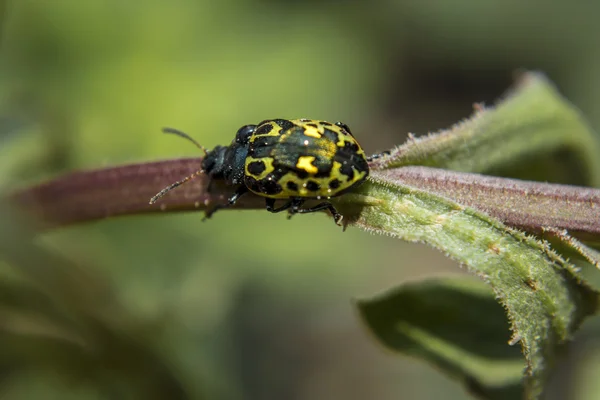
[(533, 119), (544, 296), (454, 324)]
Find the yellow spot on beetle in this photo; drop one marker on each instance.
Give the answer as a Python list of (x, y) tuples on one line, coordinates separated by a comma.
[(309, 131), (305, 163)]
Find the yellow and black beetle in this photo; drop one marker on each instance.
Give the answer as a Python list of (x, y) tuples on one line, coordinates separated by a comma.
[(296, 160)]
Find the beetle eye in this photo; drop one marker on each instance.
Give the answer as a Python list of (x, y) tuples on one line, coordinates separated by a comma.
[(243, 134)]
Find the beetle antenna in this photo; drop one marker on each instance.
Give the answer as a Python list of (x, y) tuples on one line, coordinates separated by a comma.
[(185, 136), (173, 186), (187, 178)]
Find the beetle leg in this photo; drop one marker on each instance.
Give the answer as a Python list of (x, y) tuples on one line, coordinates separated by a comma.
[(295, 203), (231, 201), (337, 217), (271, 205)]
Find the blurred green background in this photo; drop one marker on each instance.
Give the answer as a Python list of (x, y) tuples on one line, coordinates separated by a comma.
[(247, 305)]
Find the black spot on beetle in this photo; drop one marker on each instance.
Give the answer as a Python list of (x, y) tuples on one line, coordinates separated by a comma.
[(348, 157), (351, 147), (292, 186), (262, 147), (256, 168), (323, 173), (252, 184), (263, 129), (269, 186), (313, 125), (330, 135), (278, 173), (313, 186), (300, 173), (347, 170), (334, 184), (284, 124), (360, 164), (325, 123)]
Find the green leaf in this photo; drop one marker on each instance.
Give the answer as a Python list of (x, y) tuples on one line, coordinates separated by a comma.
[(532, 120), (454, 324), (543, 294), (568, 245), (536, 207)]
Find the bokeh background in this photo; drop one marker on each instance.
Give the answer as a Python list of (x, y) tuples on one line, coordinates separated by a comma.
[(248, 305)]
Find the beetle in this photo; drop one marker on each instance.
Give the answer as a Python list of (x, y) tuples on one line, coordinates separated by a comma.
[(295, 160)]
